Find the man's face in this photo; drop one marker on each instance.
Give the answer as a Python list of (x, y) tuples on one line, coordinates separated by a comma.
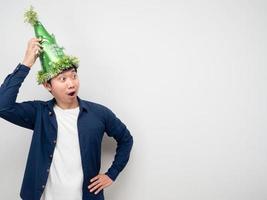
[(65, 86)]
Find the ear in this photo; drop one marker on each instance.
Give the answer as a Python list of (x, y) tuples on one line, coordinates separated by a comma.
[(47, 86)]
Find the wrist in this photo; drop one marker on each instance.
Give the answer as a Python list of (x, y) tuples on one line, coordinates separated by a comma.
[(26, 64)]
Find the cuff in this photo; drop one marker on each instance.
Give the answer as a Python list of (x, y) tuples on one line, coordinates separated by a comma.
[(23, 67), (112, 173)]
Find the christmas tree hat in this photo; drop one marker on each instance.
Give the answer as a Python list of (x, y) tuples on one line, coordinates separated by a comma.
[(52, 58)]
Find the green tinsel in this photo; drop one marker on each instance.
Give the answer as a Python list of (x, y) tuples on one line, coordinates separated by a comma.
[(50, 69), (57, 67), (31, 16)]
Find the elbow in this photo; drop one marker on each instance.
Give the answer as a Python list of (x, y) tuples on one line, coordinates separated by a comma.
[(5, 104)]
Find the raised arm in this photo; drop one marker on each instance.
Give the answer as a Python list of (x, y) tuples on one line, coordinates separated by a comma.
[(22, 114)]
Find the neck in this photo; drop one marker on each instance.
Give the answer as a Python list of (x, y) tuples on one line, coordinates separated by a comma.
[(70, 105)]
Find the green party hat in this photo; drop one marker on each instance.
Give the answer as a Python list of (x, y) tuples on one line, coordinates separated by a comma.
[(52, 58)]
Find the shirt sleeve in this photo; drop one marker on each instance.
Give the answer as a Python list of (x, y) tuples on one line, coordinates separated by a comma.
[(115, 128), (21, 114)]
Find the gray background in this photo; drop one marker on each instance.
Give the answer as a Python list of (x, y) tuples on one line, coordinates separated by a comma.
[(188, 78)]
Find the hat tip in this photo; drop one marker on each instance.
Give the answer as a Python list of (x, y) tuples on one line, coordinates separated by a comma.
[(31, 16)]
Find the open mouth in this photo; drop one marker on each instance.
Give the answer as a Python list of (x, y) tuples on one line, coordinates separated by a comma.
[(71, 94)]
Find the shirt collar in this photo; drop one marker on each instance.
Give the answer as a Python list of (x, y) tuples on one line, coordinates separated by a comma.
[(81, 102)]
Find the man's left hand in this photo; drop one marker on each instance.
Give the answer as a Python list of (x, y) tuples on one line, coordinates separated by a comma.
[(99, 182)]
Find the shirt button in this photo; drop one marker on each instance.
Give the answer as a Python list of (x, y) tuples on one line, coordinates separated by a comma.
[(51, 156), (43, 186), (50, 113), (55, 141), (47, 170)]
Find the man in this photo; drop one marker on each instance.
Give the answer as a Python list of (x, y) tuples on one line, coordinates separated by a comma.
[(65, 152)]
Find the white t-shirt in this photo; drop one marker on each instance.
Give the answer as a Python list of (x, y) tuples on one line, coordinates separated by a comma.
[(66, 175)]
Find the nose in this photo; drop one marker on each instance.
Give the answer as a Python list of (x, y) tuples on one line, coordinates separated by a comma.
[(70, 84)]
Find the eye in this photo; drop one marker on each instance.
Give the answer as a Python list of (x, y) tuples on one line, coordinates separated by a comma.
[(74, 76), (62, 78)]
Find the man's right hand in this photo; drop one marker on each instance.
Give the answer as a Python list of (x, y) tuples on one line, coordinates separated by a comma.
[(34, 49)]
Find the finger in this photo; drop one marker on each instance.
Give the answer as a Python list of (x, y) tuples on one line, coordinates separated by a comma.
[(38, 44), (37, 52), (37, 49), (97, 186), (37, 39), (93, 184), (35, 44), (102, 187), (95, 178), (33, 40)]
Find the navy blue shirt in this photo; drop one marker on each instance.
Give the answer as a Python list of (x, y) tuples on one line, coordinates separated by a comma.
[(93, 121)]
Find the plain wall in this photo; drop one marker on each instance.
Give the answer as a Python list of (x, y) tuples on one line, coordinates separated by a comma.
[(188, 78)]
